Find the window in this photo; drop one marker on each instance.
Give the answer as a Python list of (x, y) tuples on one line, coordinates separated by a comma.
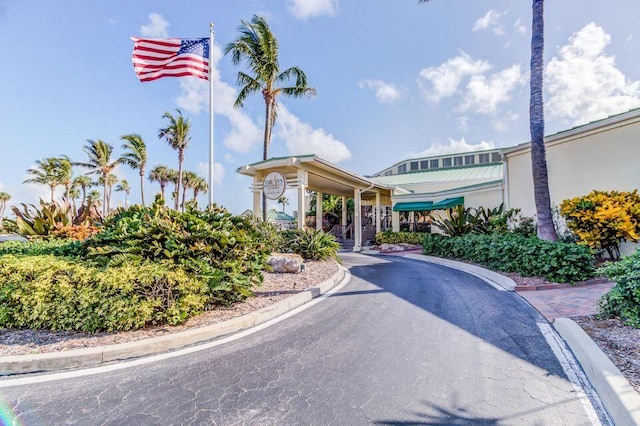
[(457, 161), (469, 159), (495, 157), (434, 164), (402, 168), (414, 165), (446, 162), (483, 158), (387, 173), (424, 165)]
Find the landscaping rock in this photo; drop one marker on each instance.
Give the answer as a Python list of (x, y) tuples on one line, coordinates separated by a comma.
[(286, 263)]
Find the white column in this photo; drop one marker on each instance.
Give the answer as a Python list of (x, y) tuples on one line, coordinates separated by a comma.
[(257, 205), (302, 202), (378, 213), (344, 217), (395, 221), (412, 220), (318, 210), (357, 227)]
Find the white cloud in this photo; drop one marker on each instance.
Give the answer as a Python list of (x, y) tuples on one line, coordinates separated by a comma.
[(385, 92), (194, 97), (304, 9), (490, 20), (485, 94), (156, 28), (301, 138), (520, 27), (583, 81), (463, 123), (446, 78), (454, 147), (218, 172)]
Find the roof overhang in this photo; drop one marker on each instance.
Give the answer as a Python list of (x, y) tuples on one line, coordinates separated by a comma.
[(323, 176), (418, 206)]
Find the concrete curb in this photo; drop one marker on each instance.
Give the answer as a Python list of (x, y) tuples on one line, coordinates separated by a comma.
[(493, 278), (92, 357), (620, 399)]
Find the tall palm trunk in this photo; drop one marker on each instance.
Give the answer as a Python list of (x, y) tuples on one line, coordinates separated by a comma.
[(179, 184), (268, 126), (546, 230), (162, 186), (104, 196), (142, 185)]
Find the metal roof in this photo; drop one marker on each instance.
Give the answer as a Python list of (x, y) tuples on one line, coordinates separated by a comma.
[(492, 171)]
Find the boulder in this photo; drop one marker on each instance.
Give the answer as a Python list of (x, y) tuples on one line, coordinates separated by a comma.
[(286, 263)]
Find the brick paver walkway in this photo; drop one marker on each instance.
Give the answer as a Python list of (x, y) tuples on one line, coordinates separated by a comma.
[(567, 302)]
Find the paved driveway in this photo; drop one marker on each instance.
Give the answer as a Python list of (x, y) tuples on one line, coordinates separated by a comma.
[(403, 343)]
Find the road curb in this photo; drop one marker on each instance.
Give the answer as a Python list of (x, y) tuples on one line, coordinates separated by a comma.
[(618, 396), (93, 357), (493, 278)]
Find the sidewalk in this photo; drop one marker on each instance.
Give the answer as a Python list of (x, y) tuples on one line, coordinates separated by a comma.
[(569, 302)]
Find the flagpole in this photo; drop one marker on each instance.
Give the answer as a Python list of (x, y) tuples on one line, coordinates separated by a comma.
[(211, 163)]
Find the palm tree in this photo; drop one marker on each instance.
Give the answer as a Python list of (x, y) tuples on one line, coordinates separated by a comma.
[(123, 186), (258, 47), (46, 172), (65, 173), (4, 198), (135, 156), (177, 136), (199, 185), (284, 201), (189, 180), (546, 230), (161, 175), (172, 175), (100, 162), (83, 182)]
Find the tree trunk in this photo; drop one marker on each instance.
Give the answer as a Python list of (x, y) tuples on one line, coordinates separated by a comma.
[(104, 196), (546, 230), (268, 125), (142, 185), (179, 185)]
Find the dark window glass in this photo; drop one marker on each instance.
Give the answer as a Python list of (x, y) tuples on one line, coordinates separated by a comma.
[(446, 162), (434, 164), (483, 158), (469, 159), (457, 161), (495, 157), (402, 168), (424, 165), (414, 165)]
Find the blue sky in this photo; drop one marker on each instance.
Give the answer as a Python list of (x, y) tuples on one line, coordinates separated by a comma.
[(394, 80)]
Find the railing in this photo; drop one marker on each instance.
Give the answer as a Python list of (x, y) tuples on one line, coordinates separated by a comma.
[(368, 233), (342, 231)]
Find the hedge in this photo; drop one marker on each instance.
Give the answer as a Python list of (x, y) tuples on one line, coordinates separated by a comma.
[(528, 256), (48, 292), (623, 300), (390, 237)]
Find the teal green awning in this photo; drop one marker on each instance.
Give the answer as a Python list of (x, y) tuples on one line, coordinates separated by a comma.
[(419, 206), (413, 207), (448, 203)]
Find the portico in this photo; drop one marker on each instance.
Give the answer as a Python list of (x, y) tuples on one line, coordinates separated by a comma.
[(310, 172)]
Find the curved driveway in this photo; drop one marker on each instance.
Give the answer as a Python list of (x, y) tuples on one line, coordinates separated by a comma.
[(403, 343)]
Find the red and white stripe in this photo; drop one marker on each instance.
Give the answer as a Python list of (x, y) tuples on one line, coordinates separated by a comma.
[(157, 58)]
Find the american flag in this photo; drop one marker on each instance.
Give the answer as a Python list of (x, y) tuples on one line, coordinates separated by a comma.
[(173, 57)]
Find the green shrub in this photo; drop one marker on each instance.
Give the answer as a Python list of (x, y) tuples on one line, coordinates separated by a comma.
[(269, 235), (68, 248), (223, 249), (70, 294), (558, 262), (459, 221), (311, 244), (390, 237), (602, 220), (623, 300)]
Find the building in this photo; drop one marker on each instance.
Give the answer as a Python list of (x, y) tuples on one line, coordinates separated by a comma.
[(602, 155)]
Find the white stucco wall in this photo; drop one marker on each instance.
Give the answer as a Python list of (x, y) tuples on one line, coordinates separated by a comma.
[(603, 156)]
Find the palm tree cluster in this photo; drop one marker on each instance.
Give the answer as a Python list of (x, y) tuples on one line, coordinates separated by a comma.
[(56, 172)]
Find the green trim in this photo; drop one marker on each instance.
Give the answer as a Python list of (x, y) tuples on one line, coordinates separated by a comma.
[(281, 158), (417, 206), (420, 206)]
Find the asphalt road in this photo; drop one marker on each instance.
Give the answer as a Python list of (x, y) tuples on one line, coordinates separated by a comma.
[(402, 343)]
